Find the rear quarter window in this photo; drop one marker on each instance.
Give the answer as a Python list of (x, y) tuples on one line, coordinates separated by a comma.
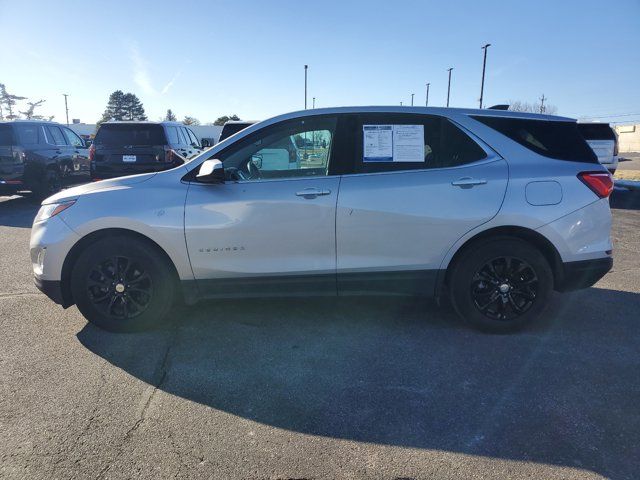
[(130, 134), (6, 135), (29, 134), (554, 139)]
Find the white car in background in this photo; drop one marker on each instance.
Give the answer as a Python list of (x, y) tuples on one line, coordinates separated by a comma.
[(603, 140)]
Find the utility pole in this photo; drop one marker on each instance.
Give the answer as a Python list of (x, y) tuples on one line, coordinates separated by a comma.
[(313, 102), (484, 66), (306, 67), (449, 86), (426, 102), (542, 99), (66, 108)]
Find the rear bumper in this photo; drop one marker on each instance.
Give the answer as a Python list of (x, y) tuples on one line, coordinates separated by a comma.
[(582, 274), (52, 289)]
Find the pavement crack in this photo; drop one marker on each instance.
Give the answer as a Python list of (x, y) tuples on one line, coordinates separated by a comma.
[(160, 377)]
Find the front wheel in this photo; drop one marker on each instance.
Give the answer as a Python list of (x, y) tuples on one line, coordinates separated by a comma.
[(122, 284), (501, 285)]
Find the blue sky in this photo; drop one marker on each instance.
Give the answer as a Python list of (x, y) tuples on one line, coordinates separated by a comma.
[(211, 58)]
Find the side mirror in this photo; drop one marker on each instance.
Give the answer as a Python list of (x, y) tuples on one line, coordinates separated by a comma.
[(205, 143), (211, 171)]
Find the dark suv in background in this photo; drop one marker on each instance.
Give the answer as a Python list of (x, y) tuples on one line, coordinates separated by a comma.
[(40, 156), (128, 148)]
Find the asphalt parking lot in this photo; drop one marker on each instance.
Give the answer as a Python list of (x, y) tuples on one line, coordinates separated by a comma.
[(310, 389)]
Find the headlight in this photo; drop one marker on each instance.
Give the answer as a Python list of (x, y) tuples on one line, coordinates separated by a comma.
[(51, 210)]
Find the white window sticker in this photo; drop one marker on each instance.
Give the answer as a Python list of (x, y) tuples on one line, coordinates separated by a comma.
[(378, 143), (393, 143)]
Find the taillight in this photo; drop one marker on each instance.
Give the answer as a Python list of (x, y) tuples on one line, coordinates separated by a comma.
[(92, 152), (600, 183)]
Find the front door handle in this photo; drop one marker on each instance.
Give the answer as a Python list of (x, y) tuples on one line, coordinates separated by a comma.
[(468, 182), (312, 192)]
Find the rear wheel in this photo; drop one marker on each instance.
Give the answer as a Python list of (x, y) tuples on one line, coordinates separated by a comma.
[(49, 182), (122, 284), (501, 285)]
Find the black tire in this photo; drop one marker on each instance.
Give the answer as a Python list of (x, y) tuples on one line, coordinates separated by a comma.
[(48, 183), (123, 284), (501, 284)]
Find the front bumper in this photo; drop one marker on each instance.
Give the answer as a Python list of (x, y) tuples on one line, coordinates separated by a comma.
[(582, 274)]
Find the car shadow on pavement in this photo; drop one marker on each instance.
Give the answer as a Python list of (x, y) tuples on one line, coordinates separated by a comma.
[(18, 211), (404, 373)]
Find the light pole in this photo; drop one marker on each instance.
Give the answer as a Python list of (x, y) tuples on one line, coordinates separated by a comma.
[(313, 102), (449, 86), (66, 108), (426, 102), (484, 66), (306, 67), (412, 99)]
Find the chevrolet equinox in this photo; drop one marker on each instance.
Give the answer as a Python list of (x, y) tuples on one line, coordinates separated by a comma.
[(494, 209)]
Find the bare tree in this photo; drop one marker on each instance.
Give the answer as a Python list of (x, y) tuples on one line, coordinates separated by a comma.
[(536, 107), (29, 113), (8, 100)]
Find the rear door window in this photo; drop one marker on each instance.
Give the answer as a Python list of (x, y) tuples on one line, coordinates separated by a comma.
[(138, 135), (193, 140), (55, 135), (395, 142), (172, 135), (184, 136), (554, 139)]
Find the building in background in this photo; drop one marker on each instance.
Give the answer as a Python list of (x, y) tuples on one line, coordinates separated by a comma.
[(628, 138)]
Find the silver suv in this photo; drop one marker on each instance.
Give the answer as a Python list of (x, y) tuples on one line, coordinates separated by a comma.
[(493, 209)]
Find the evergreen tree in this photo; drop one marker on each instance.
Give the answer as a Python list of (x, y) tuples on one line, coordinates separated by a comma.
[(133, 107), (123, 106), (191, 121), (225, 118), (170, 117), (115, 107)]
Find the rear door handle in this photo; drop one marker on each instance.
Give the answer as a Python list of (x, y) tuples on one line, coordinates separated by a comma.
[(312, 192), (468, 182)]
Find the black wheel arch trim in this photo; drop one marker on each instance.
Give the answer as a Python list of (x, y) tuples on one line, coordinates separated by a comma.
[(542, 243), (75, 251)]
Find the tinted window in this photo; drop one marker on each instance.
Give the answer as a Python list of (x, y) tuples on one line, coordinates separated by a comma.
[(172, 135), (554, 139), (6, 135), (72, 138), (28, 134), (56, 136), (193, 140), (232, 128), (445, 145), (596, 131), (184, 136), (130, 134)]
